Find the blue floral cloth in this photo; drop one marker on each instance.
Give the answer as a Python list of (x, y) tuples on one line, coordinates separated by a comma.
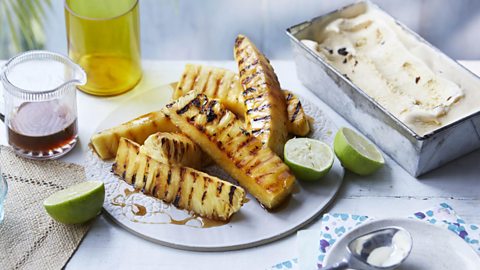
[(334, 226)]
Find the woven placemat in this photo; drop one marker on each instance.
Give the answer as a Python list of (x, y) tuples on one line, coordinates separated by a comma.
[(29, 238)]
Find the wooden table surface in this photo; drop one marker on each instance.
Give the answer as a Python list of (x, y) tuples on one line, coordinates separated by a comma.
[(391, 192)]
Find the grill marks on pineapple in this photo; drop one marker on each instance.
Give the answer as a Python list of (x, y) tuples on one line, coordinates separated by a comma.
[(218, 82), (249, 90), (262, 119), (219, 188), (264, 101), (226, 86), (167, 184), (126, 165), (155, 187), (250, 78), (178, 185), (239, 40), (227, 134), (169, 177), (295, 113), (231, 193), (260, 108), (106, 142), (246, 142), (253, 99), (214, 82), (178, 195), (174, 149), (257, 132), (190, 194), (211, 113), (204, 195), (248, 67), (184, 109), (297, 120), (138, 183)]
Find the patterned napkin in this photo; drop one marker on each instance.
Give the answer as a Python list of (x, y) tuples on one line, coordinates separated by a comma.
[(29, 238), (313, 245)]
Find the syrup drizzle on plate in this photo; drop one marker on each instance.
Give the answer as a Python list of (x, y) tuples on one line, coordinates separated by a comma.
[(135, 212)]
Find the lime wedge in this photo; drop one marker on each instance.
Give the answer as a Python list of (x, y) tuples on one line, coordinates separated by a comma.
[(308, 159), (356, 153), (76, 204)]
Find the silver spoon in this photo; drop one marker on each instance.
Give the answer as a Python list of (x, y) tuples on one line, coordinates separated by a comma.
[(365, 251)]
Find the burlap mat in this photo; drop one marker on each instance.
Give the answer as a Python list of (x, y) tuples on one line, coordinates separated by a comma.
[(29, 238)]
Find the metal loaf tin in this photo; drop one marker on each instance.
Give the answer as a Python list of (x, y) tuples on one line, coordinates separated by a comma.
[(416, 154)]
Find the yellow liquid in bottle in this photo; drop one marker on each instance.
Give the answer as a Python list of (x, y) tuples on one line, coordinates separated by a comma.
[(109, 75), (104, 39)]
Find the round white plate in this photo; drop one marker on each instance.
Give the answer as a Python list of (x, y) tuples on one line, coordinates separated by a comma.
[(433, 247), (251, 226)]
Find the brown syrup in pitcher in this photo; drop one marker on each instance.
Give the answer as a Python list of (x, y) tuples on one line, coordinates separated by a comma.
[(42, 126)]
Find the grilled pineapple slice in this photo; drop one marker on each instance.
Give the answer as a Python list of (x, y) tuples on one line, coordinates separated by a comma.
[(214, 82), (186, 188), (223, 137), (105, 143), (173, 148), (297, 119), (266, 110), (225, 86)]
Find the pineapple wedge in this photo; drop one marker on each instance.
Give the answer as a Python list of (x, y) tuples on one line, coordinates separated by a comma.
[(225, 86), (186, 188), (298, 123), (266, 110), (214, 82), (222, 136), (173, 148), (105, 143)]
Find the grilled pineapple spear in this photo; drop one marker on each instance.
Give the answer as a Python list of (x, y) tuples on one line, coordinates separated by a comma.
[(186, 188), (214, 82), (105, 143), (298, 123), (173, 148), (266, 114), (223, 137), (225, 86)]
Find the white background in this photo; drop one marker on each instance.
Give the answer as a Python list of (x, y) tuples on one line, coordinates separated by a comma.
[(205, 29), (391, 192)]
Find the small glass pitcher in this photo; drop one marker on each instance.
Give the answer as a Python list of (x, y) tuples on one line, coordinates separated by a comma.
[(40, 103)]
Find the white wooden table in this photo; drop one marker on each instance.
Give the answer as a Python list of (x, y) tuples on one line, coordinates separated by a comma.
[(391, 192)]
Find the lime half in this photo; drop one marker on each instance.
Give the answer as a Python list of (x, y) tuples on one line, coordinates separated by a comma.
[(356, 153), (309, 159), (76, 204)]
